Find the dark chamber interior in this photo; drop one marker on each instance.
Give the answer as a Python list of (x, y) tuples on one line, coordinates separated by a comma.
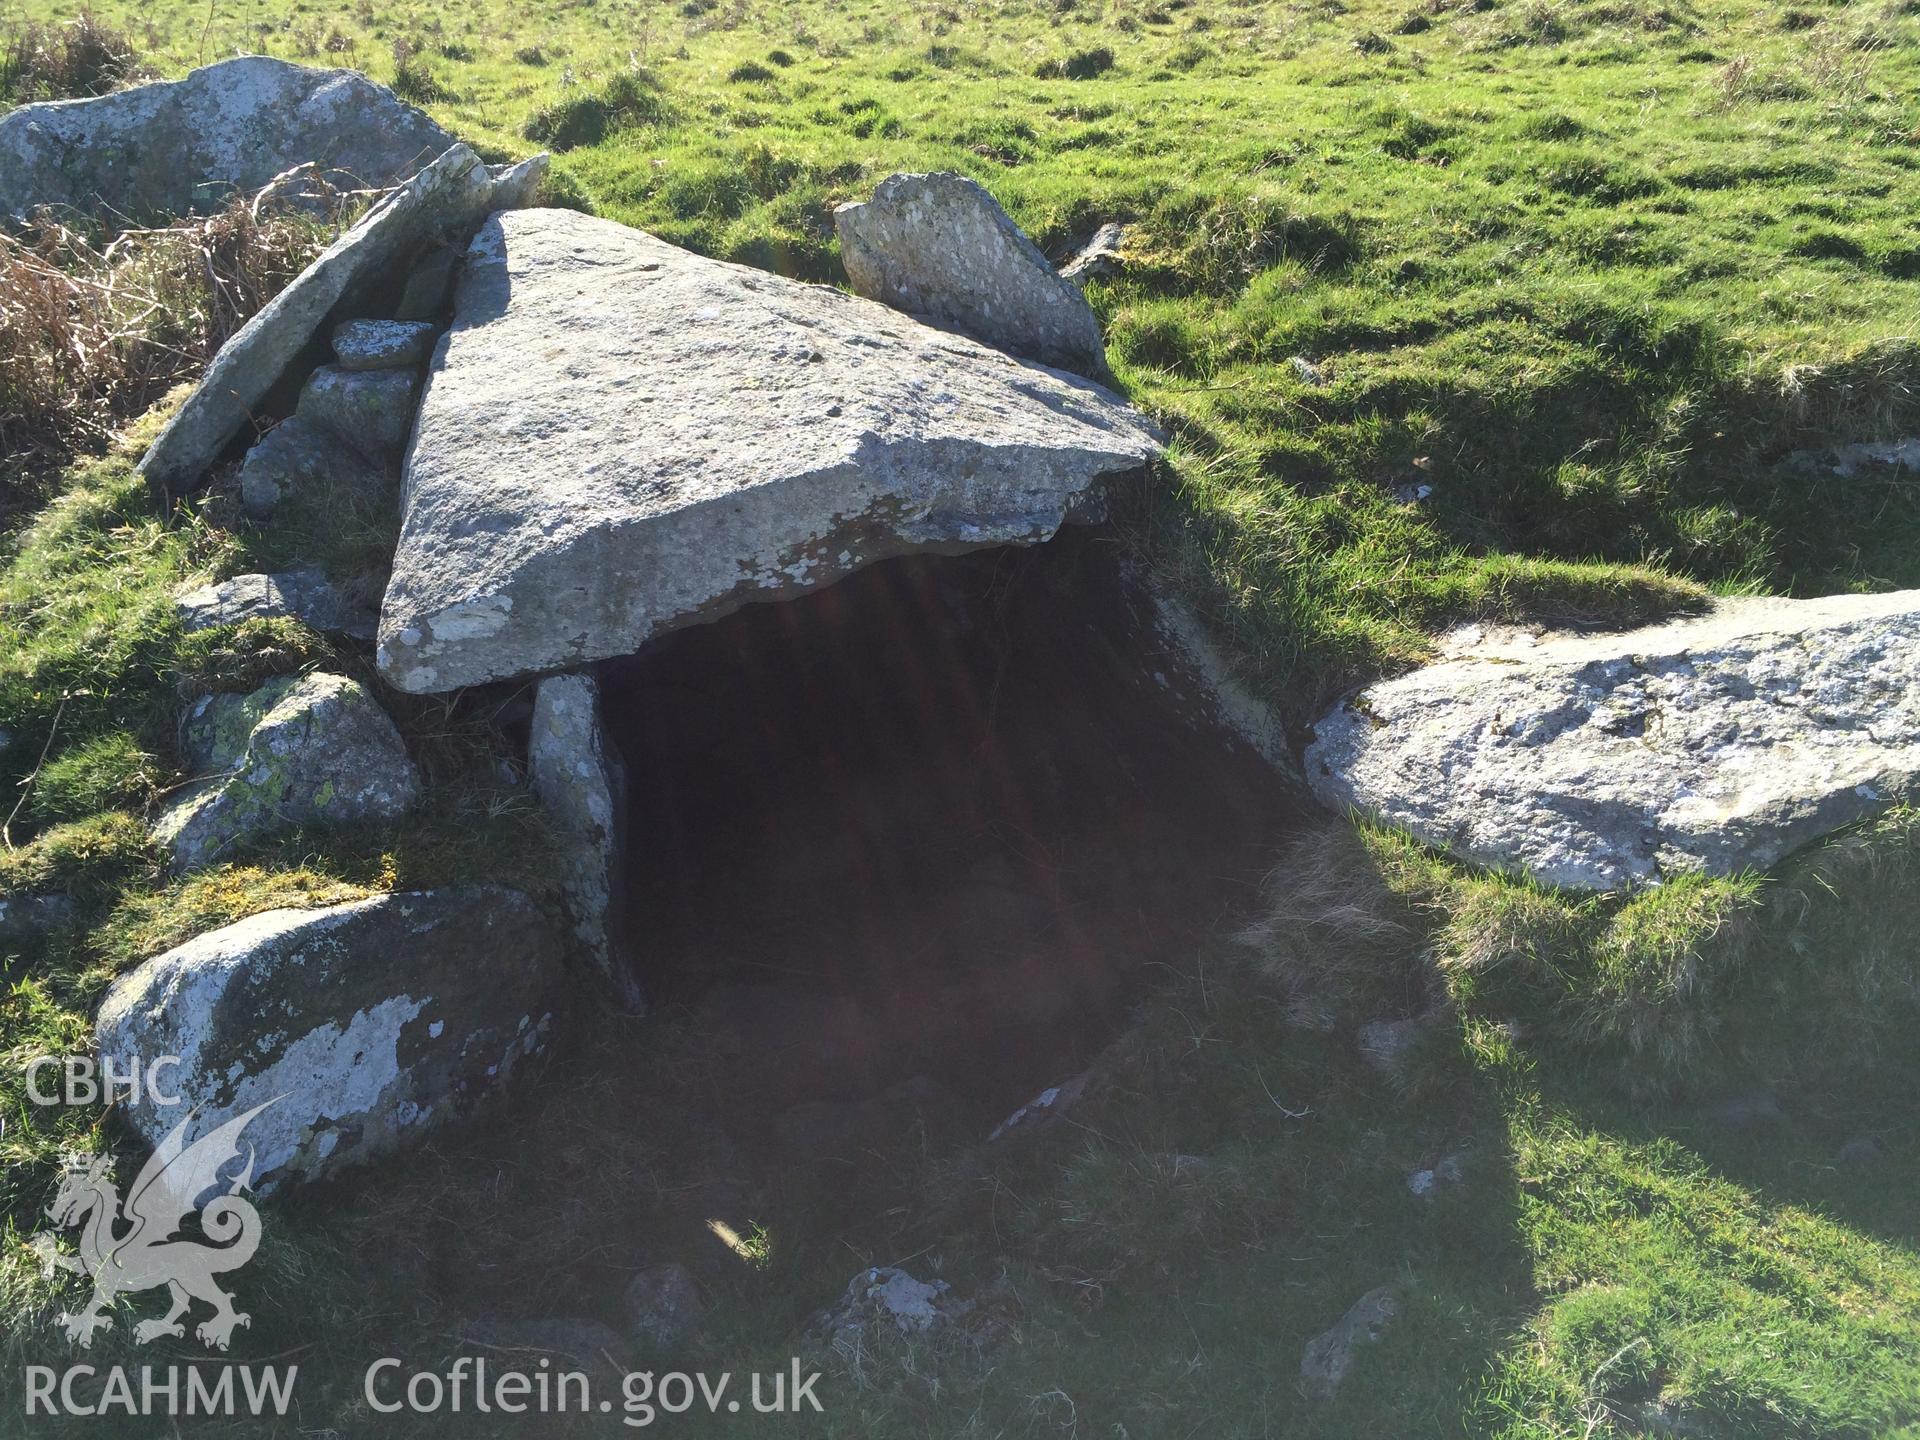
[(934, 822)]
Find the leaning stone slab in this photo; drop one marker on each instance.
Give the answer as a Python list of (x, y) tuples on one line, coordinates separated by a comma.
[(448, 198), (619, 438), (303, 595), (940, 246), (187, 145), (309, 750), (382, 344), (1607, 761), (579, 777), (359, 1026)]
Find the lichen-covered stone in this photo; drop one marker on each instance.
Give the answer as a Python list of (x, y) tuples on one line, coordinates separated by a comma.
[(365, 1024), (370, 410), (187, 145), (1329, 1357), (939, 246), (1606, 761), (308, 750), (577, 772), (620, 438), (303, 595), (446, 199), (382, 344)]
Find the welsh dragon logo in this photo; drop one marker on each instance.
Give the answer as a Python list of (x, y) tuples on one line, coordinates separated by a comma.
[(150, 1252)]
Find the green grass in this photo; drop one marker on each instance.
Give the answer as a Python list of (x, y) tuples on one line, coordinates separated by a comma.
[(1597, 273)]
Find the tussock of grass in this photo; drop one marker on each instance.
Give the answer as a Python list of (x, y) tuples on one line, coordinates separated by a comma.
[(78, 57)]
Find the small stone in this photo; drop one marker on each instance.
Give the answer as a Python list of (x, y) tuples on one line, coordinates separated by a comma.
[(429, 289), (940, 246), (1428, 1184), (1054, 1101), (304, 595), (382, 344), (1099, 258), (891, 1297), (297, 456), (1861, 1151), (371, 410), (663, 1305), (316, 749), (1386, 1044), (1330, 1355)]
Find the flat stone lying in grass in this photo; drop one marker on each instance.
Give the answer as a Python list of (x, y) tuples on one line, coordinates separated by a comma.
[(312, 750), (447, 199), (1607, 761), (939, 246), (187, 145), (370, 1022), (304, 595), (621, 438)]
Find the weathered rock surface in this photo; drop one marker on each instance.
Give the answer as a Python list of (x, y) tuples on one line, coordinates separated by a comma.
[(370, 1021), (309, 750), (940, 246), (1601, 762), (304, 595), (27, 917), (186, 145), (893, 1298), (663, 1305), (1099, 258), (382, 344), (446, 199), (371, 410), (296, 456), (620, 438), (577, 772), (1330, 1355)]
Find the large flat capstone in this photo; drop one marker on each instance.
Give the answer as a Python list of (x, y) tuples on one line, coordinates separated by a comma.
[(184, 145), (620, 438), (1602, 762)]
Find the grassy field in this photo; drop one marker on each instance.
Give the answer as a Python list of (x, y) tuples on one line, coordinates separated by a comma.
[(1605, 277)]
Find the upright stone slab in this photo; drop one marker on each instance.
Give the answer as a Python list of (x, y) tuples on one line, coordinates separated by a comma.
[(187, 145), (1607, 761), (940, 246), (577, 771), (619, 438), (448, 198), (360, 1026)]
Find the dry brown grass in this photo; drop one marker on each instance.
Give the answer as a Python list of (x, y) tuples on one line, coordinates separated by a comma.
[(92, 333)]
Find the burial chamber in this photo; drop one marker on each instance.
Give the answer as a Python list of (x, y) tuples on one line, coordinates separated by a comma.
[(916, 767), (940, 818)]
